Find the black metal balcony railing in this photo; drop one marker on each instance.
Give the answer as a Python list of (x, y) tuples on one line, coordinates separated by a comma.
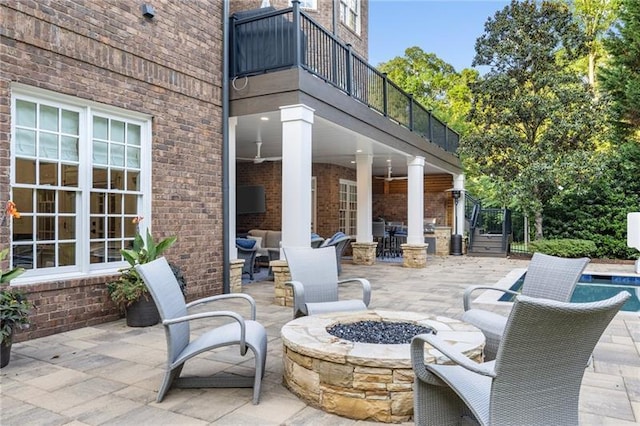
[(269, 39)]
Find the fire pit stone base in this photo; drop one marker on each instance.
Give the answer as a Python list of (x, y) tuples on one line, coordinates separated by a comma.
[(363, 381)]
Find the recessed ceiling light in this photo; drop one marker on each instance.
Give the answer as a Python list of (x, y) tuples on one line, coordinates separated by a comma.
[(353, 162), (358, 151), (264, 118)]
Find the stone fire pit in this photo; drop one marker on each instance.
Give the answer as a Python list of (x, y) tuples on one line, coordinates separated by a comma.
[(363, 381)]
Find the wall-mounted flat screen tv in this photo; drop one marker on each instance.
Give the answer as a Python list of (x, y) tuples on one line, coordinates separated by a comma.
[(250, 199)]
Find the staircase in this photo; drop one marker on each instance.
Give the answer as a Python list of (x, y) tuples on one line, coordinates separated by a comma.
[(489, 230)]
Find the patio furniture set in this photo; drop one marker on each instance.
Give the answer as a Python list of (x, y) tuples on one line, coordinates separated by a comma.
[(530, 371)]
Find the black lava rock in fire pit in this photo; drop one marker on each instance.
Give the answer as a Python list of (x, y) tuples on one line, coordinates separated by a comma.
[(380, 332)]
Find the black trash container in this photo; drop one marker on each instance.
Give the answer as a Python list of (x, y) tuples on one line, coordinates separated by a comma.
[(456, 245)]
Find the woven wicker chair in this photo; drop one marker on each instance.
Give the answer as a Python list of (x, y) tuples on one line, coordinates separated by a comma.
[(536, 377), (249, 256), (548, 277), (248, 334), (314, 279), (340, 241)]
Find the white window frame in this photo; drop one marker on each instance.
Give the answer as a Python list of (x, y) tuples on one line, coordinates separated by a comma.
[(87, 110), (348, 209), (307, 4), (353, 6)]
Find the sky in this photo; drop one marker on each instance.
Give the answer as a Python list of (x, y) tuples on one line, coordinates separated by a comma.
[(448, 28)]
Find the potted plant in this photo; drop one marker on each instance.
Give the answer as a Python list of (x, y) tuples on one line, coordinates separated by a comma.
[(14, 310), (14, 307), (129, 291)]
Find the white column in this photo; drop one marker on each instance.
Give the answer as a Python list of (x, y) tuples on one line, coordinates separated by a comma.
[(458, 183), (231, 226), (365, 199), (297, 123), (415, 201)]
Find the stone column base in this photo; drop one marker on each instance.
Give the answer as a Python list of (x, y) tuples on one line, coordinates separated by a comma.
[(414, 255), (443, 240), (235, 275), (364, 253), (283, 294)]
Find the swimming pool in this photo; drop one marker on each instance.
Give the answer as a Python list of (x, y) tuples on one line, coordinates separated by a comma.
[(594, 287)]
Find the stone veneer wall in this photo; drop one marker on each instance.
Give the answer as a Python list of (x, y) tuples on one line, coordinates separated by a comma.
[(168, 67)]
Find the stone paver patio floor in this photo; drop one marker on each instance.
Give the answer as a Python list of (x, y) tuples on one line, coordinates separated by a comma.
[(109, 374)]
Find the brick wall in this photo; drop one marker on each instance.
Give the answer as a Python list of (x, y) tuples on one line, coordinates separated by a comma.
[(390, 199), (168, 67), (269, 175)]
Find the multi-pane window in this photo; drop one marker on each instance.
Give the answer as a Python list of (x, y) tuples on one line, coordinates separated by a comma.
[(76, 180), (350, 14), (348, 207), (115, 186)]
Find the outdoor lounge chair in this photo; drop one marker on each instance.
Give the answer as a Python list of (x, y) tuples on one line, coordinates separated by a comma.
[(547, 277), (247, 334), (314, 280), (536, 377), (248, 250), (340, 241)]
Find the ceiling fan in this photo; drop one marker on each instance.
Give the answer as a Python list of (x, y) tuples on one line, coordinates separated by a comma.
[(388, 178), (258, 158)]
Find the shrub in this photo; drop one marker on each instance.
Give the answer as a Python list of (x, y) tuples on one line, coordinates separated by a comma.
[(564, 247)]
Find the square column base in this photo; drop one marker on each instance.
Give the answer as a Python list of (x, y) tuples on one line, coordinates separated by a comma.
[(414, 255), (283, 295), (443, 240), (235, 275), (364, 253)]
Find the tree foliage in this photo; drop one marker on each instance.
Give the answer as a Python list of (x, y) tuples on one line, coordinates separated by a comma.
[(599, 213), (621, 79), (535, 117), (595, 18), (435, 84)]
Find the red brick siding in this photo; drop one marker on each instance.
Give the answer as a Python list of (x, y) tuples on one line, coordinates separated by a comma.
[(168, 67), (269, 175), (390, 199)]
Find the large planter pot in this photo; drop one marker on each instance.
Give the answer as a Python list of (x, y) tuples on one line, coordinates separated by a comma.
[(142, 313), (5, 351)]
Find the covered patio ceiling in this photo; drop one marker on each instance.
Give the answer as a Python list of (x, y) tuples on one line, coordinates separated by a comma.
[(332, 144)]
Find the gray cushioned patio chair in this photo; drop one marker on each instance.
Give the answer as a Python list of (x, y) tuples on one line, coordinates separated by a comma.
[(547, 277), (536, 377), (247, 334), (314, 279)]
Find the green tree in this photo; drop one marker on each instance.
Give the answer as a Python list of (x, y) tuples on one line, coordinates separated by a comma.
[(435, 84), (595, 17), (621, 79), (534, 116), (600, 212)]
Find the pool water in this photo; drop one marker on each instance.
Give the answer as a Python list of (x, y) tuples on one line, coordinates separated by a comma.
[(594, 287)]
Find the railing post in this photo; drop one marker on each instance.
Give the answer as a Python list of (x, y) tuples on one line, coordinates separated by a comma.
[(446, 137), (349, 66), (233, 48), (385, 102), (430, 127), (297, 36), (411, 111)]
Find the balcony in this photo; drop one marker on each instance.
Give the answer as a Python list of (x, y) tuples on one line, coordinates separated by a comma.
[(267, 40)]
